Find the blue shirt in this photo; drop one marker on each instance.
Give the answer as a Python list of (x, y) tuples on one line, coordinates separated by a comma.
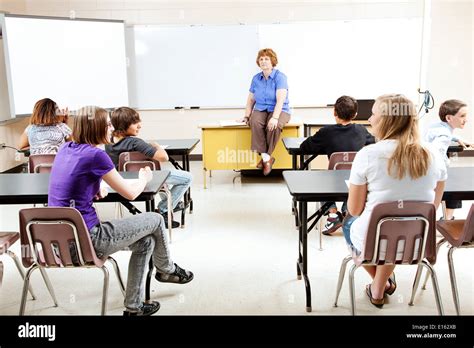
[(440, 134), (264, 91)]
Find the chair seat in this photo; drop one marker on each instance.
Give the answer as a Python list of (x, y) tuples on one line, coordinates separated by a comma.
[(452, 230), (7, 239)]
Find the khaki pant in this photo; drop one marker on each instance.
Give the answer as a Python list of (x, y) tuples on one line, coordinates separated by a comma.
[(263, 140)]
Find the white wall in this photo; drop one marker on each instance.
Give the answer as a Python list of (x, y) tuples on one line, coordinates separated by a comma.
[(450, 72)]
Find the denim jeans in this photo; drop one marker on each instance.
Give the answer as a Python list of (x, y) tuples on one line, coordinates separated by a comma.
[(145, 236), (179, 180), (346, 230)]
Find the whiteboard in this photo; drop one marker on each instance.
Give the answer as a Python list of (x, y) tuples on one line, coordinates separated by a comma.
[(202, 66), (212, 66), (73, 62)]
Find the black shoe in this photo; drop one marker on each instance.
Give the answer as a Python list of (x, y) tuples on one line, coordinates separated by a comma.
[(179, 276), (174, 224), (146, 309)]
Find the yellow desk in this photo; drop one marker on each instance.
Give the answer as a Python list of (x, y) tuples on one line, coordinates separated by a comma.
[(228, 148)]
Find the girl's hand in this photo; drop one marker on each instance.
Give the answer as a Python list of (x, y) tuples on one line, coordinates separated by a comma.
[(145, 173)]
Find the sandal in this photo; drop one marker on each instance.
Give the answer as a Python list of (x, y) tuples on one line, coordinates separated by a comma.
[(375, 301), (393, 285)]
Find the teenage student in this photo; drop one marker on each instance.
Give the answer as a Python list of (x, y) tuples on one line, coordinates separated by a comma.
[(396, 168), (127, 125), (453, 115), (78, 170), (47, 130), (343, 136)]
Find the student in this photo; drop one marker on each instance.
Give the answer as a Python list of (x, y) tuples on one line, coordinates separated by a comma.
[(341, 137), (75, 179), (47, 130), (396, 168), (127, 125), (452, 114)]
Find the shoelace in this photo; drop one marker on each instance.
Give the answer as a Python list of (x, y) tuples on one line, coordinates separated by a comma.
[(181, 273)]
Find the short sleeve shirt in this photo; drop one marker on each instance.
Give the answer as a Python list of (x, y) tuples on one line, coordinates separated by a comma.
[(75, 178), (129, 144), (264, 91), (47, 139), (370, 167)]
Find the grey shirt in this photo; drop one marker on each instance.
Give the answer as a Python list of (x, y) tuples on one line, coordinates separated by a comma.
[(129, 144)]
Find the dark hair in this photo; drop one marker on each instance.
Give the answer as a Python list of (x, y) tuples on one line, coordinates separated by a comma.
[(122, 118), (44, 113), (267, 52), (450, 107), (346, 108), (90, 126)]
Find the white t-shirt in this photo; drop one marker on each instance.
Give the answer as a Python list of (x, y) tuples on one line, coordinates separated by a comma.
[(370, 167)]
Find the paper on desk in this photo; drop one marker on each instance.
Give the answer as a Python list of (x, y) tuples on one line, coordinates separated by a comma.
[(103, 184), (230, 123)]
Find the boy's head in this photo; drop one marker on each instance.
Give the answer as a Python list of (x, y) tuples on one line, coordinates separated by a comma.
[(454, 112), (345, 108), (126, 122)]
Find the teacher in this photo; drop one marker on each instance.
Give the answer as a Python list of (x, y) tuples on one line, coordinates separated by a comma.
[(267, 109)]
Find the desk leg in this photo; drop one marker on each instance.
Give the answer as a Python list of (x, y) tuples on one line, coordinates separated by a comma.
[(302, 162), (303, 251), (150, 207), (294, 164), (204, 174)]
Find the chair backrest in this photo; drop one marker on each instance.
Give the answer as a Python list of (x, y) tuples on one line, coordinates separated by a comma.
[(341, 160), (401, 232), (468, 230), (41, 163), (56, 237), (134, 161)]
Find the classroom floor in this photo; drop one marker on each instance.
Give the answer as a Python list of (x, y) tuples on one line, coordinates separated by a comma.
[(241, 244)]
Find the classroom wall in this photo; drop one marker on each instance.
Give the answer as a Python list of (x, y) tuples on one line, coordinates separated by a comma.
[(449, 71)]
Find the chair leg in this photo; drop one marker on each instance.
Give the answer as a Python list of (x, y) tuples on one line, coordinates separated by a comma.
[(434, 280), (170, 211), (351, 288), (183, 216), (342, 273), (438, 246), (416, 282), (48, 285), (105, 290), (117, 272), (1, 272), (452, 276), (20, 269), (26, 285)]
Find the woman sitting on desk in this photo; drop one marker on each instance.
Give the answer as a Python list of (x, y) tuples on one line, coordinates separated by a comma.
[(396, 168), (267, 109)]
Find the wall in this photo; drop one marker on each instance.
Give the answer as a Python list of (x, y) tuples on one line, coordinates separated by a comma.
[(451, 30)]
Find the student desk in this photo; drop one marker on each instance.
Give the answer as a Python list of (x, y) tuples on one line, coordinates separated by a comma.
[(228, 148), (183, 148), (292, 146), (33, 189), (329, 185)]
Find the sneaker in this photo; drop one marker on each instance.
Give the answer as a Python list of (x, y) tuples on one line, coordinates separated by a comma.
[(174, 224), (146, 309), (179, 276), (332, 225)]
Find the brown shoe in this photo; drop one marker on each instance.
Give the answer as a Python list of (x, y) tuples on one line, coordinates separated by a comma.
[(260, 164), (377, 302), (267, 166)]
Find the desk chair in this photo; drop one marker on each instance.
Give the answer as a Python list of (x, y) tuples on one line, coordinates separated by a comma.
[(59, 238), (134, 161), (397, 235), (40, 163), (337, 161), (6, 240), (459, 234)]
